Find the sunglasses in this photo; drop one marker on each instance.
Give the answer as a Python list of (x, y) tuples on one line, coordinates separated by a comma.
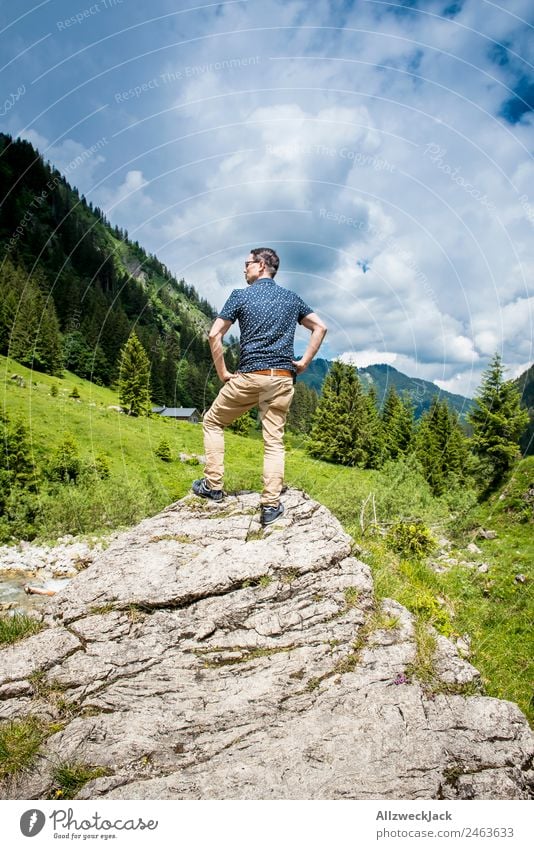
[(251, 262)]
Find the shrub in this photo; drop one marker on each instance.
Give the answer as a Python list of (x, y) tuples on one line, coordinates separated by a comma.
[(192, 461), (95, 505), (65, 465), (411, 538), (54, 390), (75, 393), (401, 490), (163, 451), (242, 425), (20, 515)]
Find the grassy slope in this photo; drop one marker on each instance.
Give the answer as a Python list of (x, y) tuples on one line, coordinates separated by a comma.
[(494, 608)]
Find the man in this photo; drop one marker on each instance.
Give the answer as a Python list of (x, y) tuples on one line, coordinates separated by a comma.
[(267, 316)]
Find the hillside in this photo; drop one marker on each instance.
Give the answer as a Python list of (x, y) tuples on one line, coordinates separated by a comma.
[(382, 376), (73, 288), (525, 385)]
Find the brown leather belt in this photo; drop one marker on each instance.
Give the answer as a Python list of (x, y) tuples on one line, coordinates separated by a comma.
[(279, 372)]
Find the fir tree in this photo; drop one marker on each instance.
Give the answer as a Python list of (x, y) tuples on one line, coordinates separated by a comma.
[(302, 408), (498, 421), (242, 425), (397, 424), (339, 432), (373, 435), (441, 447), (134, 379), (163, 451)]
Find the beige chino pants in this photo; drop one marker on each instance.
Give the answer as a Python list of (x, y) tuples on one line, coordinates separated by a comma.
[(272, 394)]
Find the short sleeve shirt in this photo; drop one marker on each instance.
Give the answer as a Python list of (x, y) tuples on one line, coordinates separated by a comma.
[(268, 315)]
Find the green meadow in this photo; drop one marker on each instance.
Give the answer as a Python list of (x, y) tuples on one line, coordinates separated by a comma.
[(492, 607)]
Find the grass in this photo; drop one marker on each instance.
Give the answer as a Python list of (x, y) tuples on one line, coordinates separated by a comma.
[(15, 628), (70, 777), (20, 740)]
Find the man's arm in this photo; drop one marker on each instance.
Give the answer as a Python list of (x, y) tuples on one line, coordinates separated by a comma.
[(215, 337), (318, 332)]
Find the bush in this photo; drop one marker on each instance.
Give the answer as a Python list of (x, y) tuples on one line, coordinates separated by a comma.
[(411, 538), (96, 505), (75, 393), (401, 490), (163, 451), (20, 515), (54, 390), (65, 465), (242, 425)]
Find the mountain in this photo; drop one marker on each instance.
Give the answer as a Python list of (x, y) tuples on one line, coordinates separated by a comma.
[(525, 385), (382, 376), (73, 287)]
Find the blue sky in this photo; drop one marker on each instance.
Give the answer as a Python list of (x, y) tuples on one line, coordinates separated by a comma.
[(384, 149)]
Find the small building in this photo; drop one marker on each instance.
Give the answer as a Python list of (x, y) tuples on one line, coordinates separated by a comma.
[(181, 414)]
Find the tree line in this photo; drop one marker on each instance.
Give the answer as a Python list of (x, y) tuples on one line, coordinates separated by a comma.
[(348, 428)]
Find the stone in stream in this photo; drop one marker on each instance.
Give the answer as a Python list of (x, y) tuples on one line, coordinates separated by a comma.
[(203, 657)]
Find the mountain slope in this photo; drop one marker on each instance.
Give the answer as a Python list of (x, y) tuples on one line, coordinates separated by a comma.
[(97, 286), (525, 385)]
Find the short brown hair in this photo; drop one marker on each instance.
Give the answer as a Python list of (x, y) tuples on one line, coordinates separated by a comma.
[(269, 257)]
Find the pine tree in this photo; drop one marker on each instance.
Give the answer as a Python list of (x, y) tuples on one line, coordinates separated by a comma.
[(340, 423), (134, 378), (302, 408), (441, 447), (498, 422), (373, 436), (397, 424), (242, 425)]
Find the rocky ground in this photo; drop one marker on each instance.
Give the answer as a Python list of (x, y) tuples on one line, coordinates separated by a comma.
[(48, 567), (202, 657)]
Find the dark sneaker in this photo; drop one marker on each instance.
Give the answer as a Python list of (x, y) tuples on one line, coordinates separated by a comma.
[(271, 514), (201, 488)]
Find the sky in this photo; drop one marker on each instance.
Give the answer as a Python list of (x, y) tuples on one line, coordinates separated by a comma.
[(383, 149)]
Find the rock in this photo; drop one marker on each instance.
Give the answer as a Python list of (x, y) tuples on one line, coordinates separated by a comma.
[(483, 567), (520, 579), (473, 549), (436, 566), (449, 667), (203, 657), (463, 644), (483, 534), (450, 561), (444, 543)]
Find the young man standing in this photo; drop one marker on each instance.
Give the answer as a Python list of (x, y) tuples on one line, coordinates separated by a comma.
[(268, 315)]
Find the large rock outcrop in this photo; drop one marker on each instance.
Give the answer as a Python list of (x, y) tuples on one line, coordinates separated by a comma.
[(203, 657)]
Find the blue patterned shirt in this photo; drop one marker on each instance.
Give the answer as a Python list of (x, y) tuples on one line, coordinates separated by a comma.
[(267, 316)]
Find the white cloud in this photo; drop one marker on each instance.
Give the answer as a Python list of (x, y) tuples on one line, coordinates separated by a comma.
[(366, 135)]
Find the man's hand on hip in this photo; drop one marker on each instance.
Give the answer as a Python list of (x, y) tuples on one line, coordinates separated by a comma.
[(300, 365)]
